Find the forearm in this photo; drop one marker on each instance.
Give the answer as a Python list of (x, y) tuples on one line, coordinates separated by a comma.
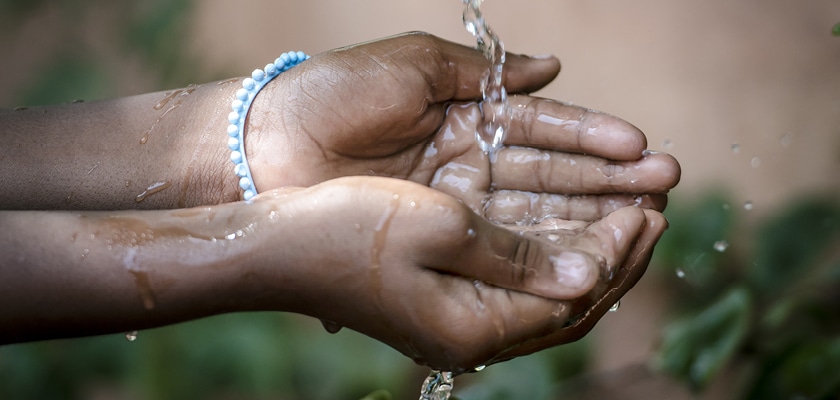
[(157, 150), (68, 274)]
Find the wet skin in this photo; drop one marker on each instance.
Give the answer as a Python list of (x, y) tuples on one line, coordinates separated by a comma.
[(450, 259)]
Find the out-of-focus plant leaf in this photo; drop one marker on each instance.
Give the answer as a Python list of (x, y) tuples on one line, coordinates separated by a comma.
[(378, 395), (687, 249), (157, 29), (696, 348), (68, 78), (808, 371), (789, 245), (836, 29)]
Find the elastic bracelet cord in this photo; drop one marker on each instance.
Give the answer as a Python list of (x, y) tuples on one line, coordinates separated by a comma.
[(241, 104)]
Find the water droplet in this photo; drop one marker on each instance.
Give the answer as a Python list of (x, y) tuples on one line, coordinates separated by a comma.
[(667, 143), (553, 237), (479, 368), (755, 162), (330, 327), (396, 196), (748, 205), (680, 273), (413, 203), (721, 245), (725, 206), (471, 233), (131, 336), (615, 306), (152, 189), (736, 148), (230, 236), (785, 140)]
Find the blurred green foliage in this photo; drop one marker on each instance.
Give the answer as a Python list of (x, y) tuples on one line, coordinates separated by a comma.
[(773, 305)]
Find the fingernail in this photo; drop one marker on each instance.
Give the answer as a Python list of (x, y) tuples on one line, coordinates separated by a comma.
[(571, 269), (542, 56)]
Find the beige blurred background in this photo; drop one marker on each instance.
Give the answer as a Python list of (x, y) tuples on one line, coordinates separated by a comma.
[(699, 77)]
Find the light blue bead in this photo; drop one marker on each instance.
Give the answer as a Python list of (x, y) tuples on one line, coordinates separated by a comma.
[(232, 130), (244, 183), (233, 143), (240, 170), (250, 87), (236, 157), (233, 117)]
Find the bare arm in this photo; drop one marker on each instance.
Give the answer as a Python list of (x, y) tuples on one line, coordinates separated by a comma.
[(410, 266), (157, 150)]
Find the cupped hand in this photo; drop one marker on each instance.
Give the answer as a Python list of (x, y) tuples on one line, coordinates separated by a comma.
[(404, 107), (418, 270)]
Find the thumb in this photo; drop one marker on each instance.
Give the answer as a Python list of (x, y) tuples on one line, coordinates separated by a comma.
[(456, 71)]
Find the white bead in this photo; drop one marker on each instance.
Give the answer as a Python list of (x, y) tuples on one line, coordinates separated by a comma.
[(236, 157), (249, 194), (233, 143), (248, 84), (242, 94), (240, 170), (237, 105), (233, 117), (244, 183), (233, 130), (258, 75)]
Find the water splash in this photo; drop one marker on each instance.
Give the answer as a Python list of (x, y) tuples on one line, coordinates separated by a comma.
[(131, 336), (494, 106), (437, 386), (680, 273), (721, 245), (748, 205)]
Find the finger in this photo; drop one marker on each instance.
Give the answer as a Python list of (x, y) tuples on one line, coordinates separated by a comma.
[(454, 71), (625, 278), (549, 124), (535, 170), (523, 208), (559, 271), (499, 319)]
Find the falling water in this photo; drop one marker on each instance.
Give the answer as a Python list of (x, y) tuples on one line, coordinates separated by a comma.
[(437, 386), (494, 107)]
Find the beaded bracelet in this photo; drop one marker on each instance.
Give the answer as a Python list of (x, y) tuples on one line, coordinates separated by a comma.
[(241, 104)]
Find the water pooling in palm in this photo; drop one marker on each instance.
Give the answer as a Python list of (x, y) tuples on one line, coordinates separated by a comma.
[(490, 135)]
